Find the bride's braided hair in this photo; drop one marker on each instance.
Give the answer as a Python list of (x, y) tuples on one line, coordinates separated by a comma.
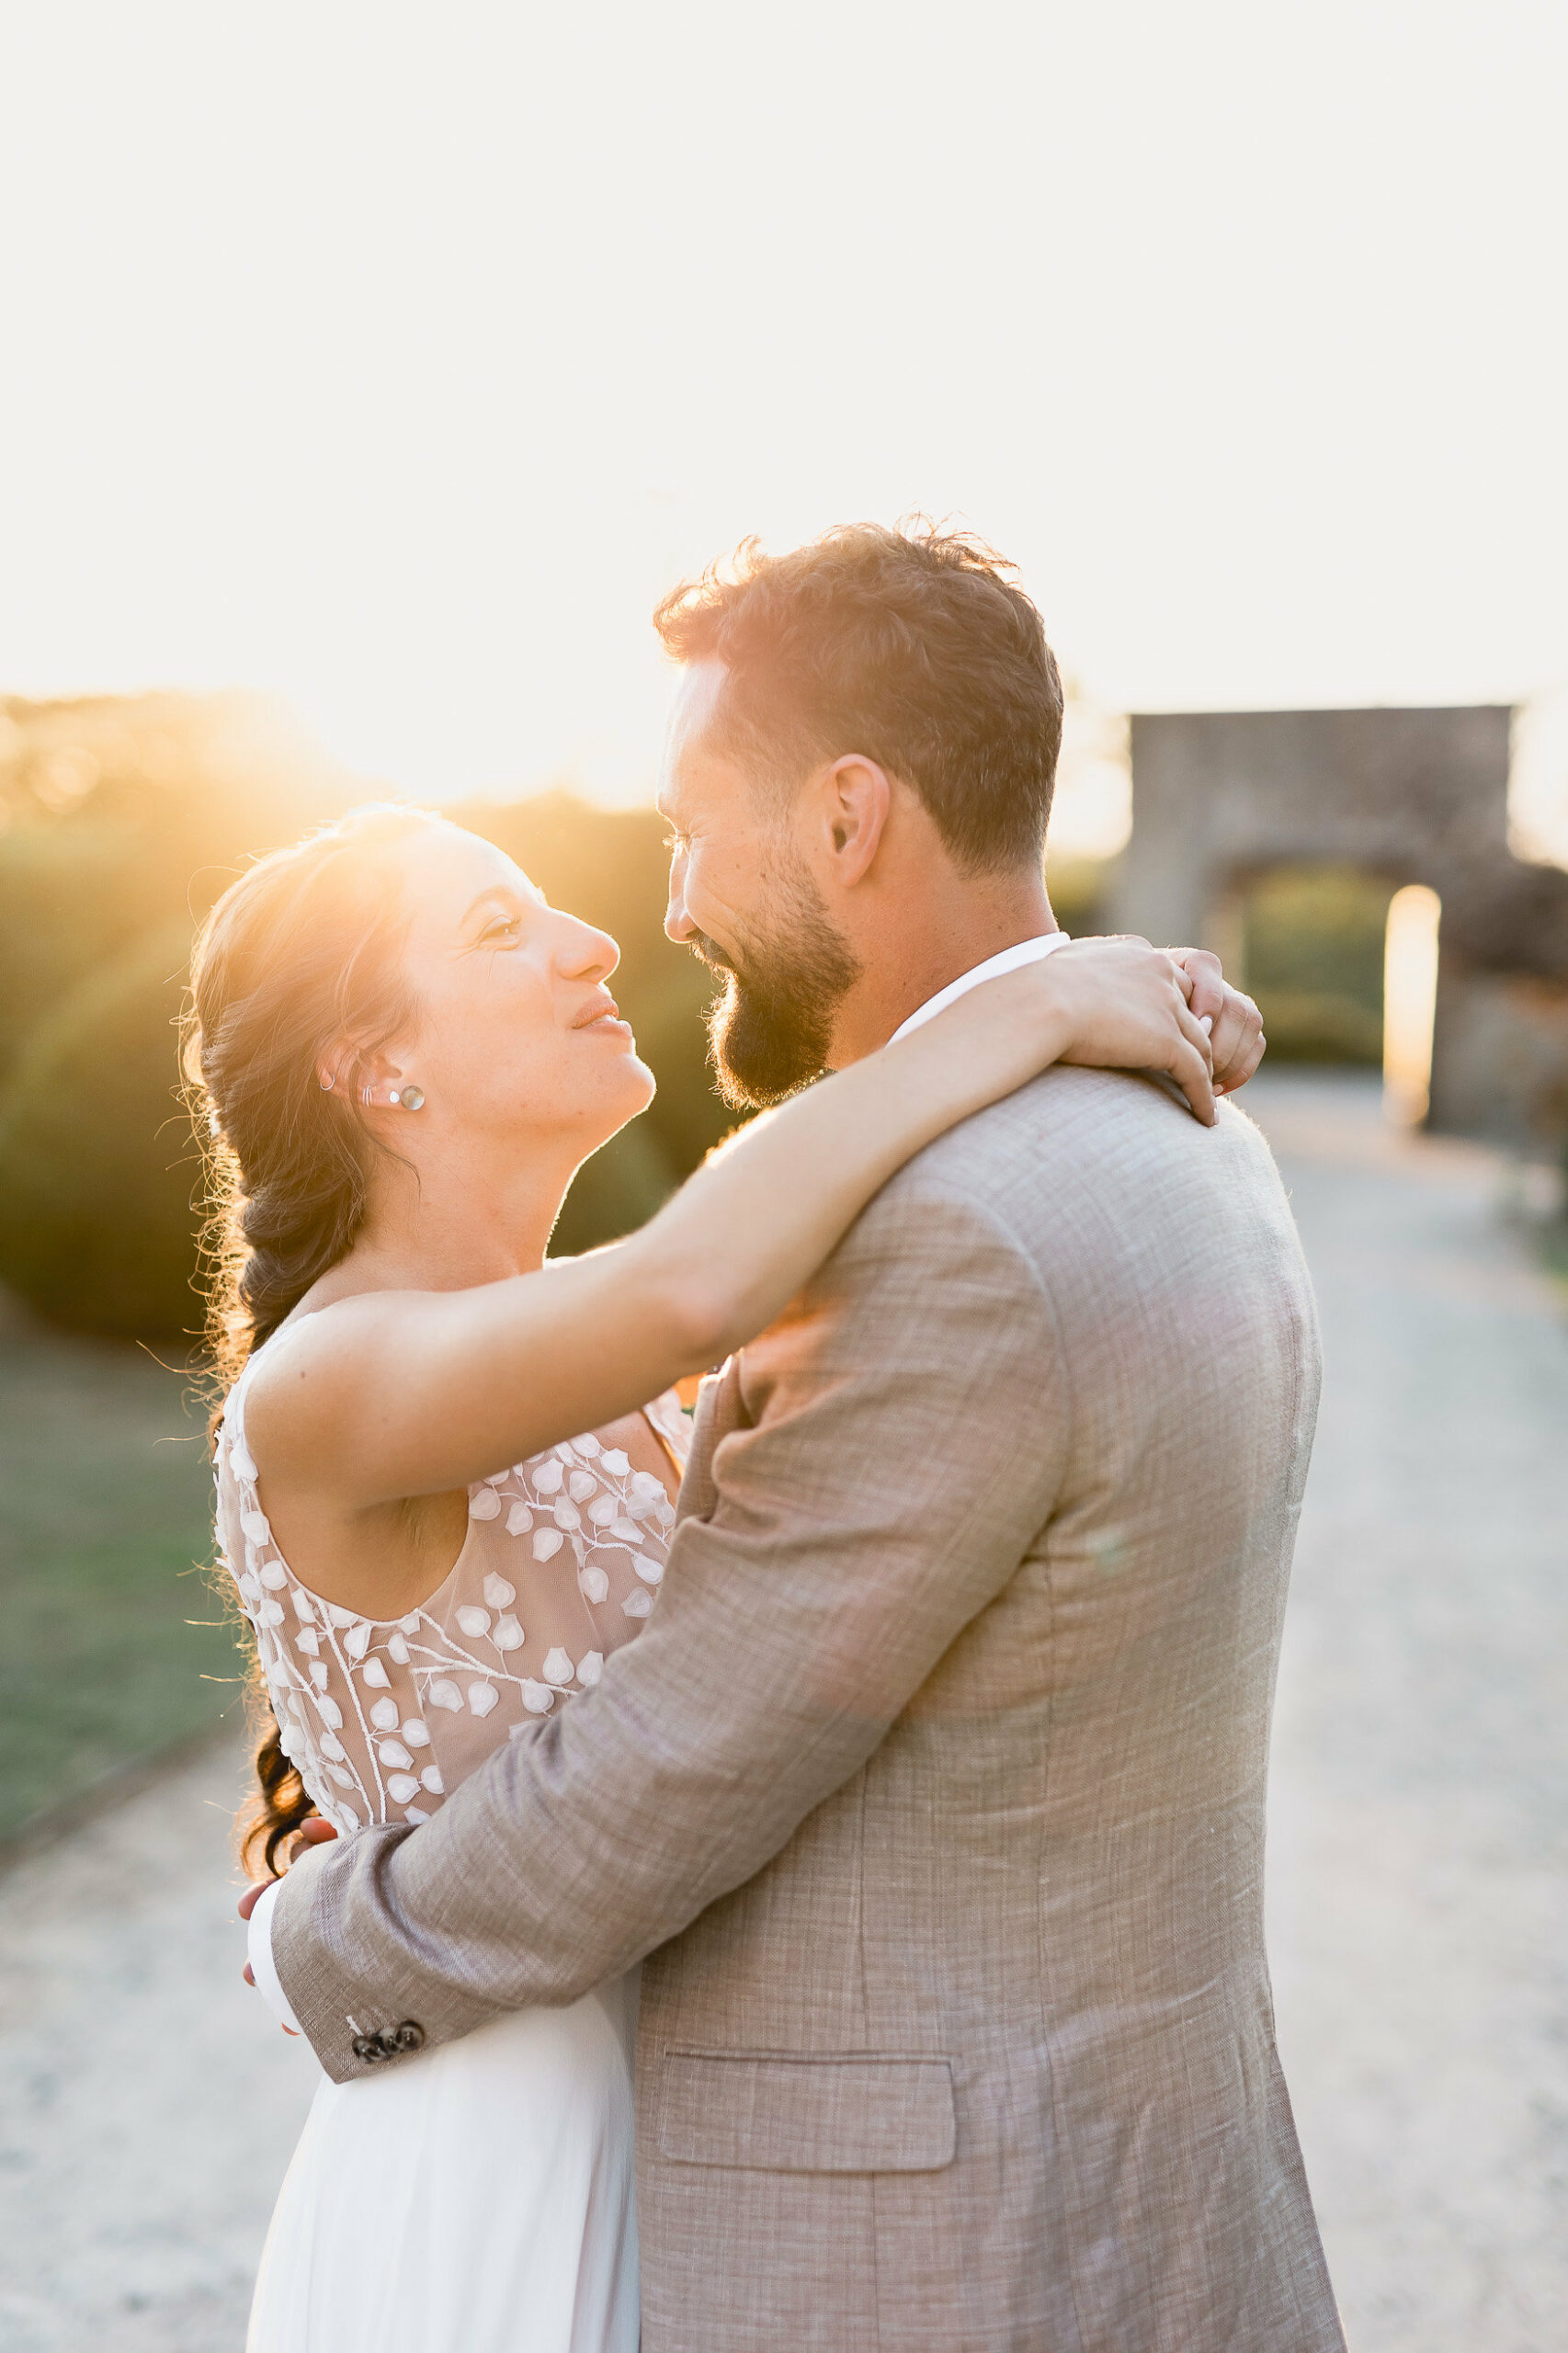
[(303, 950)]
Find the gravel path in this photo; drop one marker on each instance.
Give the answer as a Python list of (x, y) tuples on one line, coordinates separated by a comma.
[(1417, 1892), (149, 2103), (1419, 1903)]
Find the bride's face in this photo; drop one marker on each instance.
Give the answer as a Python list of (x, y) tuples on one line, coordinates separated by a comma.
[(518, 1037)]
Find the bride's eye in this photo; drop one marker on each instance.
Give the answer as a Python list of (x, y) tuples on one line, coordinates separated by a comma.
[(505, 929)]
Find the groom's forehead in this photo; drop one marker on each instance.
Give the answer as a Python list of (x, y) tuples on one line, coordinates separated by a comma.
[(694, 708), (696, 764)]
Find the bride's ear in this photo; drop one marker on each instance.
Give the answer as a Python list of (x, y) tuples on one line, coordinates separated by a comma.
[(376, 1080)]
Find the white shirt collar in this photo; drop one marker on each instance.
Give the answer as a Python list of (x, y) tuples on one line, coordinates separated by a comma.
[(1028, 951)]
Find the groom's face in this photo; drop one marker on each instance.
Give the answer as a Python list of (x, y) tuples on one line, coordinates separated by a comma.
[(742, 897)]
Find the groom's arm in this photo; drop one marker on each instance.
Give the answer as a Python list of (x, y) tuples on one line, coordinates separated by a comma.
[(908, 1424)]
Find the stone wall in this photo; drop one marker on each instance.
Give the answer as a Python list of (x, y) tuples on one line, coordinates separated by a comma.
[(1414, 796), (1500, 1063)]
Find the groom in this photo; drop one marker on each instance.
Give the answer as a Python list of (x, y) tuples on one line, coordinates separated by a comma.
[(934, 1790)]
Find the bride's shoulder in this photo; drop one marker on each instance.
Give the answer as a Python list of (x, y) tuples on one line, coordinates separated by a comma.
[(324, 1342)]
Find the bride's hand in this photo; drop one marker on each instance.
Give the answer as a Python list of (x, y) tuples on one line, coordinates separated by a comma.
[(1236, 1035), (1125, 1006), (311, 1833)]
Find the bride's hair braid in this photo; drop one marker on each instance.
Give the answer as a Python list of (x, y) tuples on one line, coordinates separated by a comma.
[(303, 950)]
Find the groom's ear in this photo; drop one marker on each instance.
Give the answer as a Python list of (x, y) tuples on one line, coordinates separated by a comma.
[(852, 799)]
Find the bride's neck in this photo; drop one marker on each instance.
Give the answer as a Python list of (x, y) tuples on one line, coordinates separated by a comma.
[(447, 1229)]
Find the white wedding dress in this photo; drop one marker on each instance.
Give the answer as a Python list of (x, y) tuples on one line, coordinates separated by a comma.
[(474, 2197)]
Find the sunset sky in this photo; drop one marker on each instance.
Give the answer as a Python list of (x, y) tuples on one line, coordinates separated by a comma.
[(394, 359)]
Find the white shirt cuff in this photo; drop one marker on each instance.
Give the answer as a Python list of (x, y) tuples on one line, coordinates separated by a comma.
[(264, 1968)]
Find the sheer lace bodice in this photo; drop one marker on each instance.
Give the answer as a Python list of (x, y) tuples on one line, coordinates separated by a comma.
[(559, 1564)]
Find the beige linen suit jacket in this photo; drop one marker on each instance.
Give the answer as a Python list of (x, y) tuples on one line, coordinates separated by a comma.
[(934, 1790)]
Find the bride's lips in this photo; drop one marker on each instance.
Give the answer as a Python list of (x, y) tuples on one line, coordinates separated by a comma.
[(602, 1016)]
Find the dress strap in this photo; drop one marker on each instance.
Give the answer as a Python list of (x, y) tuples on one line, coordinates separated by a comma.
[(241, 1460), (677, 1461)]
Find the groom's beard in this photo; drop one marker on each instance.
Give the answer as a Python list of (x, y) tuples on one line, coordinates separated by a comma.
[(770, 1032)]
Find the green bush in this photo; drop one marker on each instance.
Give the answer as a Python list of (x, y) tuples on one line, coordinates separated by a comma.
[(97, 1165), (1313, 959)]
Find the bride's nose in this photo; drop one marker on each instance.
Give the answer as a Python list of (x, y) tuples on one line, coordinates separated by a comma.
[(583, 953)]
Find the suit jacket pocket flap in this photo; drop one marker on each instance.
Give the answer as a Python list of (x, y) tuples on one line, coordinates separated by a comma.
[(807, 2115)]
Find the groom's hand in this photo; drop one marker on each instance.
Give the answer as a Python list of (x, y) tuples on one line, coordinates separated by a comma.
[(1235, 1035)]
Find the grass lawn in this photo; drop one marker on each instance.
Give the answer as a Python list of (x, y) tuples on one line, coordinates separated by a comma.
[(114, 1645)]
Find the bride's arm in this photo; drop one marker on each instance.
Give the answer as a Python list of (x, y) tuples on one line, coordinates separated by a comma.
[(396, 1393)]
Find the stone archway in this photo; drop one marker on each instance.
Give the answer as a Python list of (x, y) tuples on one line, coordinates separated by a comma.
[(1413, 796)]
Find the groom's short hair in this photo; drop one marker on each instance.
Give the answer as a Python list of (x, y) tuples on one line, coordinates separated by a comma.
[(915, 648)]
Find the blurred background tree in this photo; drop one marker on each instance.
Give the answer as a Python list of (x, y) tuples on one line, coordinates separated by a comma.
[(97, 1167), (120, 813), (122, 818)]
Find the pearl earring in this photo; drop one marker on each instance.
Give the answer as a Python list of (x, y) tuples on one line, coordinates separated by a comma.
[(399, 1099)]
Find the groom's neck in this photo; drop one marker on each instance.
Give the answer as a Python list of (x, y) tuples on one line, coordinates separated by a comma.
[(918, 944)]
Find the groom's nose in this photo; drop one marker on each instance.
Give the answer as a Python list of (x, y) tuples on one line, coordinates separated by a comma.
[(678, 925)]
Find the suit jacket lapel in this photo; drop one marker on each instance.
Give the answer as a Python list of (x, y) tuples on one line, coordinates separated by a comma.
[(720, 1410)]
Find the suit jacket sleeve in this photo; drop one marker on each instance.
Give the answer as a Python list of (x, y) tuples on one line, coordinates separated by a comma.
[(899, 1442)]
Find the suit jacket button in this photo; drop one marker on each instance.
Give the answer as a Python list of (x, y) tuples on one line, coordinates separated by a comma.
[(396, 2039), (368, 2047)]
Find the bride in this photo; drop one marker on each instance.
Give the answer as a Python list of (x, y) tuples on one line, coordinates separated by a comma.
[(405, 1055)]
